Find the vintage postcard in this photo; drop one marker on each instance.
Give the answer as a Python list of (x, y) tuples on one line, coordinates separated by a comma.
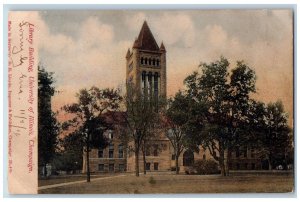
[(151, 101)]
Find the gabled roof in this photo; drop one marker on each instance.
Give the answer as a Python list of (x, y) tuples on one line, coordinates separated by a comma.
[(145, 40)]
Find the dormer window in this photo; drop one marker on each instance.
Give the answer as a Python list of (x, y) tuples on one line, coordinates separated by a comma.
[(130, 66)]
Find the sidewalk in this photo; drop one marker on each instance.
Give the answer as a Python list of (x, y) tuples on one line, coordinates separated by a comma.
[(76, 182)]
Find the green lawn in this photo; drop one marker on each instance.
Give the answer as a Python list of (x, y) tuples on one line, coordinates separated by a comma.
[(170, 183), (68, 178)]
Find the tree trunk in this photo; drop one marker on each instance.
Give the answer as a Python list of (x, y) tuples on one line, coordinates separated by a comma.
[(144, 160), (137, 167), (226, 162), (270, 165), (88, 175), (222, 167), (176, 164), (222, 163)]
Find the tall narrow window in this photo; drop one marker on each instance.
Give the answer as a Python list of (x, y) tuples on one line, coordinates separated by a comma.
[(142, 60), (150, 83), (121, 153), (146, 61), (143, 81), (121, 167), (111, 151), (111, 167), (148, 165), (101, 167), (153, 62), (156, 85), (157, 62), (149, 61), (100, 153), (155, 166)]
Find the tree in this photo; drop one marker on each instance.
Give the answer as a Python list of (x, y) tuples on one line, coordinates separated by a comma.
[(275, 137), (89, 117), (48, 127), (70, 156), (177, 124), (142, 111), (226, 100)]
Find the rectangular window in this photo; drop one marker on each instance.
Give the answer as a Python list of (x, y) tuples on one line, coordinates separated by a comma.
[(121, 153), (111, 154), (173, 156), (155, 83), (111, 151), (101, 167), (100, 153), (111, 167), (148, 165), (155, 166), (121, 167)]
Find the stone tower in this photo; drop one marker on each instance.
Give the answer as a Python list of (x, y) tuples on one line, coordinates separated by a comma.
[(146, 64)]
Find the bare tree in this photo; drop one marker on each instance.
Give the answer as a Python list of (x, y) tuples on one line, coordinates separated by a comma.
[(141, 112)]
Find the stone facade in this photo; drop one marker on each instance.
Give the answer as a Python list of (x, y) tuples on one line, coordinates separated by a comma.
[(110, 159), (245, 159)]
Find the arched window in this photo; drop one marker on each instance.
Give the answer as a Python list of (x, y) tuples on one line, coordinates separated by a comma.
[(146, 61), (157, 62), (149, 61), (188, 158), (153, 62), (142, 60)]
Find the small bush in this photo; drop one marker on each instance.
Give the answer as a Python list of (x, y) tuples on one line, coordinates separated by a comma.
[(152, 180), (206, 167)]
